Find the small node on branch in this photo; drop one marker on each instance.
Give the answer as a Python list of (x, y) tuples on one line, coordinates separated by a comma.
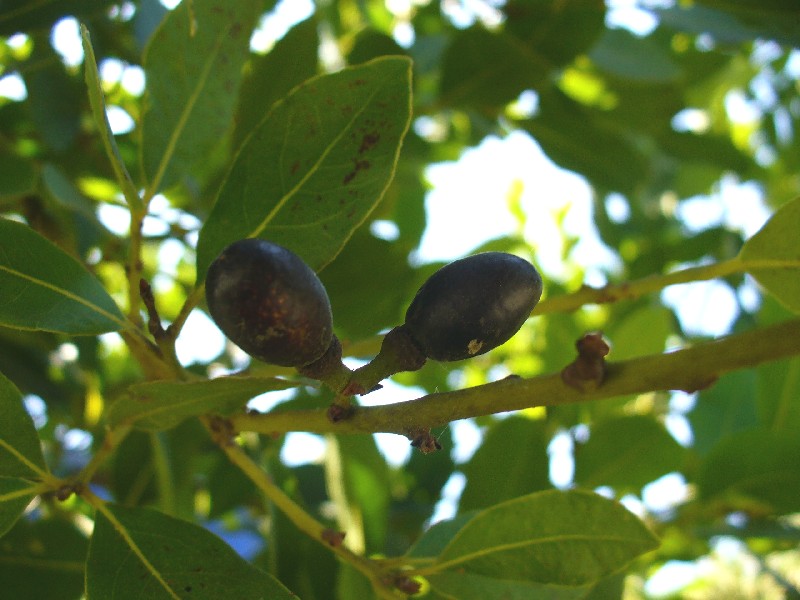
[(340, 412), (222, 430), (65, 491), (153, 319), (588, 370), (333, 538), (424, 440), (406, 584)]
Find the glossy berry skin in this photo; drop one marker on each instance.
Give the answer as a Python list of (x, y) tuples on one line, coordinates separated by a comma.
[(269, 303), (473, 305)]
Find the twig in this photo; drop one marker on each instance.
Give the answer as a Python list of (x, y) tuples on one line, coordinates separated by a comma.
[(222, 434), (111, 442), (632, 290)]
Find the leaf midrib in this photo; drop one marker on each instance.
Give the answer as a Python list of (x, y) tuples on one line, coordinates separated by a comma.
[(464, 558), (67, 294), (157, 410)]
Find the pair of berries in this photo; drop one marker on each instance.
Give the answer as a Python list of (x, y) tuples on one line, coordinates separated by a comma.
[(274, 307)]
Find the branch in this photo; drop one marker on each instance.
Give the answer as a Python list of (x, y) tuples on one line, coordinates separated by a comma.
[(690, 369)]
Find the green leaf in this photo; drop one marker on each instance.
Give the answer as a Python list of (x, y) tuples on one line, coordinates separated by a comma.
[(471, 586), (160, 405), (608, 588), (316, 165), (271, 76), (626, 336), (757, 466), (370, 43), (483, 68), (132, 477), (347, 287), (725, 408), (772, 255), (17, 174), (559, 538), (193, 66), (493, 478), (352, 583), (66, 195), (436, 537), (293, 555), (355, 467), (623, 54), (466, 586), (695, 150), (42, 287), (21, 456), (15, 495), (54, 97), (451, 583), (24, 15), (585, 141), (20, 448), (557, 30), (43, 559), (426, 475), (97, 102), (733, 22), (626, 452), (778, 391), (142, 553)]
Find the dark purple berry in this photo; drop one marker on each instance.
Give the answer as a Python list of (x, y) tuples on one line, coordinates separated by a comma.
[(473, 305), (269, 303)]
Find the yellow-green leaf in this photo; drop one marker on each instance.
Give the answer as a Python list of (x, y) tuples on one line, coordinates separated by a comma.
[(160, 405)]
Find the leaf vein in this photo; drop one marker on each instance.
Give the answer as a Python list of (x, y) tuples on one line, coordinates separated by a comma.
[(123, 532), (464, 558), (314, 168), (67, 294), (24, 459)]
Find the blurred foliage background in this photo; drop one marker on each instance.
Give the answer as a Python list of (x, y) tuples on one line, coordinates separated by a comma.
[(677, 115)]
